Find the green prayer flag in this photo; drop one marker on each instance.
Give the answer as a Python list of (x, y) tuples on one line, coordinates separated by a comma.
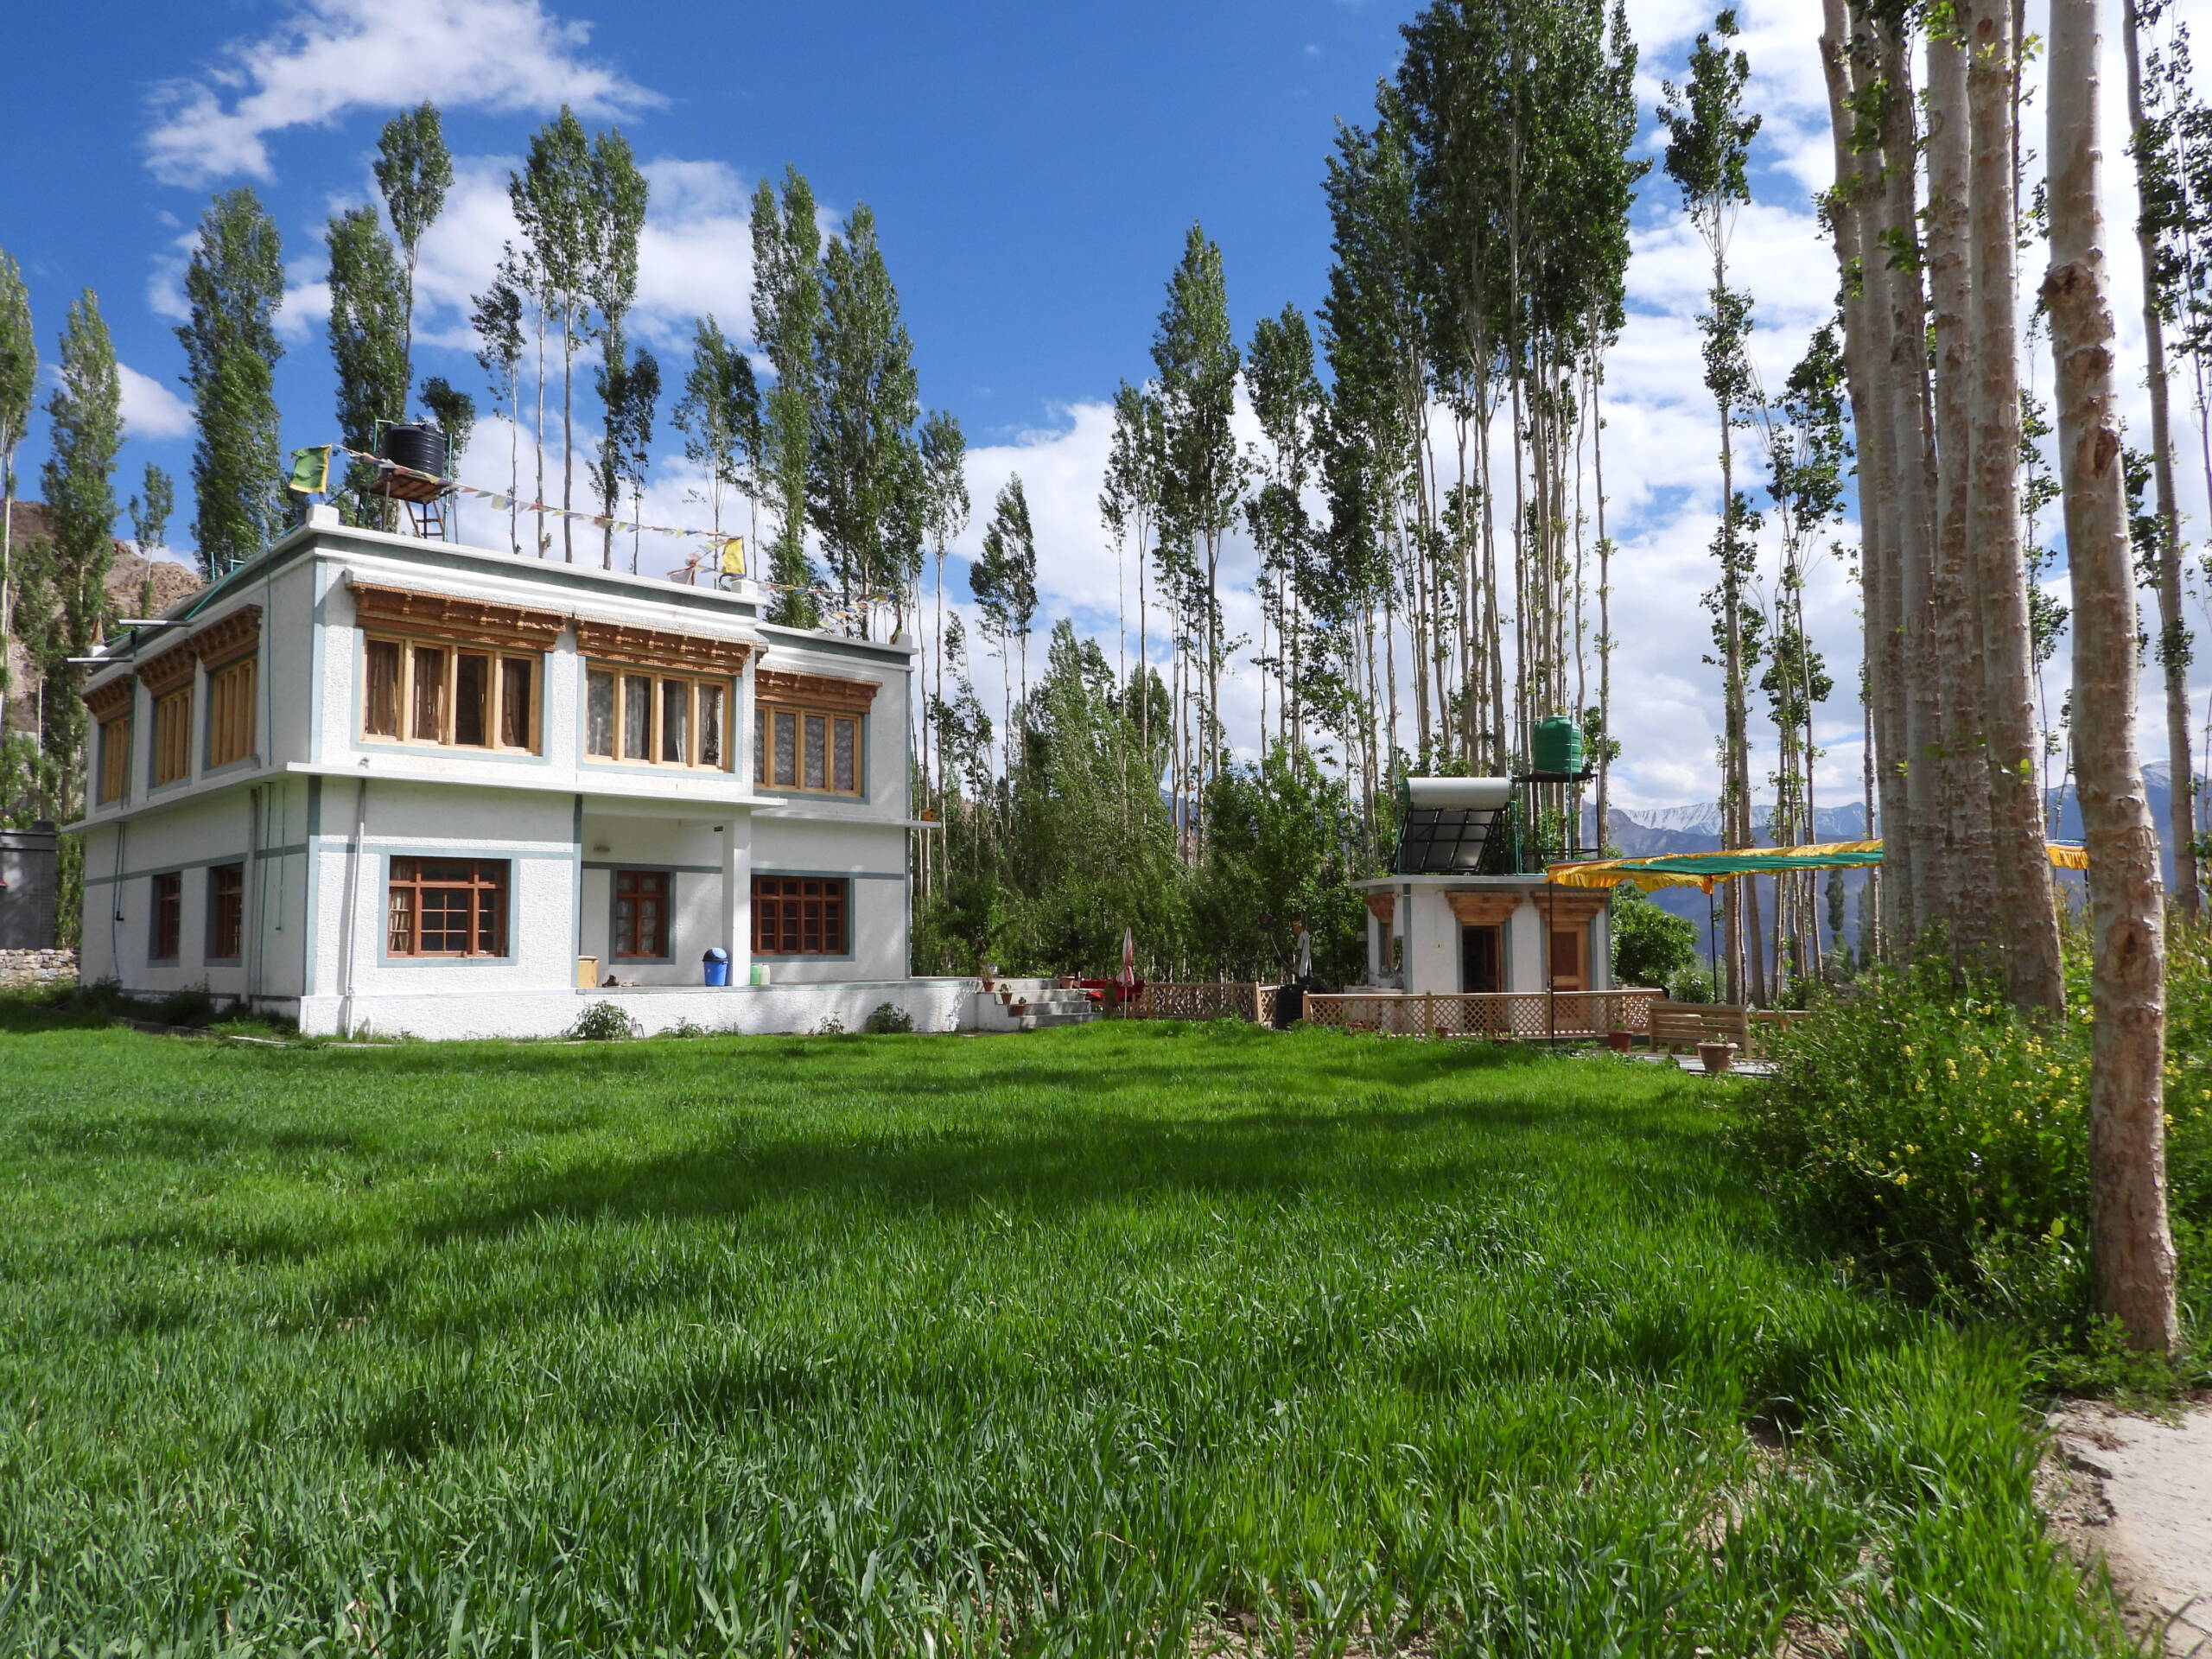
[(310, 471)]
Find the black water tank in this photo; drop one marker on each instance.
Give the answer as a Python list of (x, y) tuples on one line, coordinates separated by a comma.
[(419, 447)]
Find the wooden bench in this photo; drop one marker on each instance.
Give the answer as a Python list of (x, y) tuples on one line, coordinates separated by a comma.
[(1676, 1026)]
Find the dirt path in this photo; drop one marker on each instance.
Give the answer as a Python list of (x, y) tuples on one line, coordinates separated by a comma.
[(2139, 1491)]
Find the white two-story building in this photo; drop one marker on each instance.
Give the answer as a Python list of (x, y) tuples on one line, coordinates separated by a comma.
[(374, 782)]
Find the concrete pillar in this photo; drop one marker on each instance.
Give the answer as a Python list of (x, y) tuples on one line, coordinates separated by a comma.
[(737, 895)]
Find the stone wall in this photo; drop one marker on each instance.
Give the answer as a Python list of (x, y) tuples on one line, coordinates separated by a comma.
[(23, 969)]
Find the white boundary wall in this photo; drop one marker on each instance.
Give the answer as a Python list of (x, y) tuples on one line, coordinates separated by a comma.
[(938, 1005)]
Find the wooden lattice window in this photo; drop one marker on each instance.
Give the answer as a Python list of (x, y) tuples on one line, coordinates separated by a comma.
[(649, 718), (115, 757), (225, 912), (641, 922), (172, 736), (447, 907), (169, 916), (230, 713), (415, 691), (801, 916), (817, 750)]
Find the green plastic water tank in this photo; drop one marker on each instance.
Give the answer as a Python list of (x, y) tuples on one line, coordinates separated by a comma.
[(1556, 744)]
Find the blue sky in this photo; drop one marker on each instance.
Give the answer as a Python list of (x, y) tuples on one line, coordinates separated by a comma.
[(1034, 170)]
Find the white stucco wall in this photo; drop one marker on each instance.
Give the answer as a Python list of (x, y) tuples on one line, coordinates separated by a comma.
[(933, 1004)]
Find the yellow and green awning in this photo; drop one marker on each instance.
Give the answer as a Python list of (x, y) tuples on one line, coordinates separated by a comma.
[(1703, 869)]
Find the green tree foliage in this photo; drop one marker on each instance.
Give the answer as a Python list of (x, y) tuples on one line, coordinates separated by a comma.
[(865, 488), (496, 316), (1652, 946), (719, 417), (233, 284), (1286, 397), (629, 390), (1279, 851), (786, 312), (1004, 583), (149, 510), (414, 172), (368, 344), (553, 200), (77, 480), (18, 392), (455, 410)]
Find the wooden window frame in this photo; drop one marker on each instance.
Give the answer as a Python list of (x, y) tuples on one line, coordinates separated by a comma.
[(495, 712), (114, 758), (489, 884), (764, 714), (225, 912), (165, 925), (231, 689), (658, 679), (772, 924), (170, 761), (615, 934)]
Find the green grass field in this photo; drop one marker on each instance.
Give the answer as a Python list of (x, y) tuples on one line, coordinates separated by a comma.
[(1113, 1340)]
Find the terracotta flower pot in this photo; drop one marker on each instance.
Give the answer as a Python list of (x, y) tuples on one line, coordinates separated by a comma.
[(1717, 1056), (1022, 1007), (1005, 998), (1620, 1041)]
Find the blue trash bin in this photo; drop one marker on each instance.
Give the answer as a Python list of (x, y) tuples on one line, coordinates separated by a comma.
[(717, 966)]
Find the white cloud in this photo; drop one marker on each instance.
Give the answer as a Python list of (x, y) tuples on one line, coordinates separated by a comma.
[(150, 409), (331, 57)]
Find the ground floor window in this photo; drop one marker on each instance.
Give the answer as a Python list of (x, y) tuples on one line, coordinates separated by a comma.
[(801, 916), (447, 907), (169, 916), (225, 912), (640, 927)]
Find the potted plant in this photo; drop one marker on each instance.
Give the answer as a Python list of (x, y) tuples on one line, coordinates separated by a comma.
[(1022, 1005), (1620, 1041), (1717, 1056)]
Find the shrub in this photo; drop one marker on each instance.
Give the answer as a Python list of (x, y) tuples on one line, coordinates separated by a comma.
[(602, 1022), (1939, 1140), (831, 1026), (1693, 984), (193, 1005), (687, 1026), (1652, 946), (888, 1020)]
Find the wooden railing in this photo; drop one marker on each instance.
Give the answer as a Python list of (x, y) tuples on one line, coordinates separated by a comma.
[(1502, 1014), (1206, 1000)]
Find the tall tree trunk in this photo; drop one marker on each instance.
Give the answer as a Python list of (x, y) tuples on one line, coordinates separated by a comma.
[(1913, 459), (2026, 925), (1964, 778), (2173, 638), (2130, 1243)]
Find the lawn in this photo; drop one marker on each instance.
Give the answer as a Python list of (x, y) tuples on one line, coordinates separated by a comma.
[(1111, 1340)]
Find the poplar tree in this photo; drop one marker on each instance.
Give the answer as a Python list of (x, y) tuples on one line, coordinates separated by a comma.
[(2130, 1243), (615, 217), (786, 310), (864, 491), (2173, 645), (149, 510), (496, 316), (77, 482), (368, 341), (1708, 143), (233, 284), (1129, 505), (1195, 357), (414, 172), (629, 391), (18, 392), (552, 198), (1004, 583), (719, 417), (944, 449)]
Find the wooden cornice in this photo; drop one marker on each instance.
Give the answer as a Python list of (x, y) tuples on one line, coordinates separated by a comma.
[(814, 690), (642, 647), (172, 668), (231, 637), (106, 702), (446, 616), (1569, 909), (1485, 909), (1381, 907)]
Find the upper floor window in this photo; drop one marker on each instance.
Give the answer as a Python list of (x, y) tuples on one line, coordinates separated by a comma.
[(651, 717), (115, 756), (230, 713), (172, 736), (418, 691), (807, 749)]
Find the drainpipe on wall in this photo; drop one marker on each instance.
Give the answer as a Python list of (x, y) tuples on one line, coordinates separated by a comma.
[(353, 906)]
